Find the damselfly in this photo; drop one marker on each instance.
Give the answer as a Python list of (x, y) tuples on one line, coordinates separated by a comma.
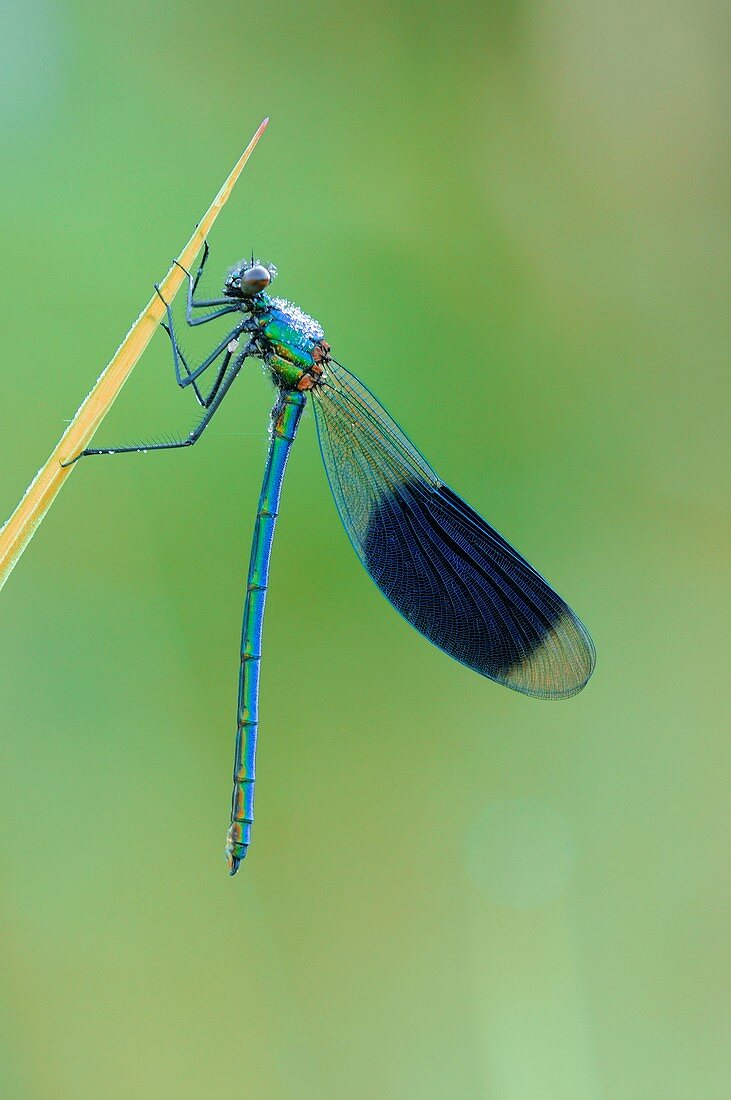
[(450, 574)]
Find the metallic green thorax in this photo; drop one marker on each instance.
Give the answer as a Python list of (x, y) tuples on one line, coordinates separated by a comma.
[(289, 337)]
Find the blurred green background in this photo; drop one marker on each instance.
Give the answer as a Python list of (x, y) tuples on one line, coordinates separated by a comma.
[(510, 220)]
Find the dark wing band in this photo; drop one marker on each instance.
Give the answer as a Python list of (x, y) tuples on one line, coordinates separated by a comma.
[(453, 577)]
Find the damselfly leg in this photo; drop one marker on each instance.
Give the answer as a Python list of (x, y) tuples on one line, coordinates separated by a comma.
[(191, 303), (230, 343), (192, 375), (193, 437), (205, 400)]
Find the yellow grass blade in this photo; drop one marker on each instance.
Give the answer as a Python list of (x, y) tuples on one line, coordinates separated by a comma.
[(19, 529)]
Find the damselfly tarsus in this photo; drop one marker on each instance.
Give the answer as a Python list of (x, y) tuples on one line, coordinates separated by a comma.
[(453, 577)]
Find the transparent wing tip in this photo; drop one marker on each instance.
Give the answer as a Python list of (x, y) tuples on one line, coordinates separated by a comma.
[(560, 666)]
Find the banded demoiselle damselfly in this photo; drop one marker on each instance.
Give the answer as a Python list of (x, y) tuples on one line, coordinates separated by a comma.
[(450, 574)]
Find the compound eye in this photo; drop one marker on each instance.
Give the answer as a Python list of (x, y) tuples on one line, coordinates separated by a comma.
[(255, 279)]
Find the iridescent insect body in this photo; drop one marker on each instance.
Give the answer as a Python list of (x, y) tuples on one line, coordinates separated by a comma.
[(450, 574)]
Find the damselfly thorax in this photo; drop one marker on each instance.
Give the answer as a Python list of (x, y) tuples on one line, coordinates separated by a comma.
[(291, 343)]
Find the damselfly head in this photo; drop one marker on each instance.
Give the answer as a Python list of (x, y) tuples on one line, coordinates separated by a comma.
[(248, 278)]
